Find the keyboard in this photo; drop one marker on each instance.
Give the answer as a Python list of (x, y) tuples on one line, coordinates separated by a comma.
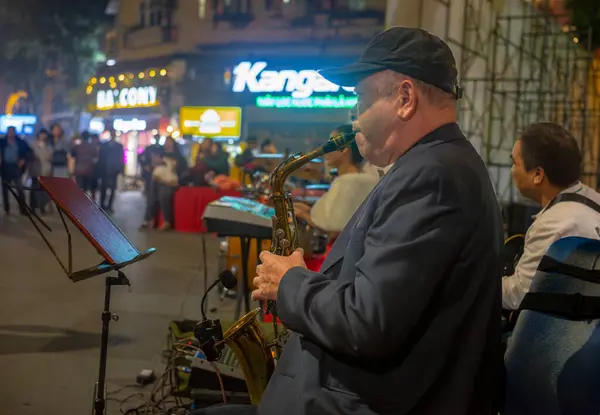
[(239, 217)]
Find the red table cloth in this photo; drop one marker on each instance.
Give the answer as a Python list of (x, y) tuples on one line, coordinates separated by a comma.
[(189, 205)]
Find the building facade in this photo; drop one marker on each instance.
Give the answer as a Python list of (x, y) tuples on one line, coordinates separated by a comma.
[(258, 55), (519, 62)]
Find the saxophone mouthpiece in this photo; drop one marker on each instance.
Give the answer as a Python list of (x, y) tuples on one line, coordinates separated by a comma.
[(338, 142)]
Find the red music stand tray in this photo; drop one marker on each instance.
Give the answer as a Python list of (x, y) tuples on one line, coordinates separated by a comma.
[(98, 228)]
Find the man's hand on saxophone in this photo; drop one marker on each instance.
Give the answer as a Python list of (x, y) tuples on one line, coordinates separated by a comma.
[(270, 272)]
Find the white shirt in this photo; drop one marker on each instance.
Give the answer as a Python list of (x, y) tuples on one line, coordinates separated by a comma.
[(335, 208), (562, 220), (375, 171)]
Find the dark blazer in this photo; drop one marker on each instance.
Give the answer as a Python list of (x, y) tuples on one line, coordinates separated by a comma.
[(404, 317), (110, 159), (23, 149)]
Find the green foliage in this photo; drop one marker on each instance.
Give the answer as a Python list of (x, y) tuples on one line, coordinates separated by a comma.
[(45, 40), (585, 15)]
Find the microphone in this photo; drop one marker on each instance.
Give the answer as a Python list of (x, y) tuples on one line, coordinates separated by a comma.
[(226, 278), (209, 332)]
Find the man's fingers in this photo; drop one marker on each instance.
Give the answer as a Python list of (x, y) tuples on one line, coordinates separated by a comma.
[(265, 255), (257, 281), (257, 295)]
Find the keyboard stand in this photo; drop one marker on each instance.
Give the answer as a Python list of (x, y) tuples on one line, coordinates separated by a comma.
[(244, 292), (259, 242), (218, 219)]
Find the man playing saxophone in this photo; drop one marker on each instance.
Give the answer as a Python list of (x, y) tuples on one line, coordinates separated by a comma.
[(404, 316)]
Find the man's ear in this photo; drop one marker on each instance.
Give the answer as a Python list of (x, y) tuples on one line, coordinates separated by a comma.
[(407, 100), (538, 176)]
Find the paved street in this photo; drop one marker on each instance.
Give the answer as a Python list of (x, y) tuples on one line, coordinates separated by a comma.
[(50, 327)]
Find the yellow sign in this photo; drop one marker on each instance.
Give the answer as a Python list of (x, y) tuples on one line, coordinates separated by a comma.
[(211, 121)]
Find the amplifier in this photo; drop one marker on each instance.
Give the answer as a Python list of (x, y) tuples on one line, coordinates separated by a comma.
[(200, 379)]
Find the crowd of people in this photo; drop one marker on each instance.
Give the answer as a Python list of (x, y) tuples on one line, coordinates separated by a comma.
[(95, 166), (164, 168), (353, 179)]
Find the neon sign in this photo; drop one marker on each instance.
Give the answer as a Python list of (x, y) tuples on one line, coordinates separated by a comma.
[(24, 124), (145, 96), (327, 101), (300, 84), (97, 125), (129, 125)]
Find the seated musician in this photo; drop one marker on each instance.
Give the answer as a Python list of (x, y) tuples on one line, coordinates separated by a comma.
[(249, 153), (404, 315), (547, 164), (245, 165), (267, 147), (348, 190)]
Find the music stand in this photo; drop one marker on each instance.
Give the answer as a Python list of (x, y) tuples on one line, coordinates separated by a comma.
[(108, 240)]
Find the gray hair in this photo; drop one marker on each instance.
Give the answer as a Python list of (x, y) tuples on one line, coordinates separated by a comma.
[(433, 94)]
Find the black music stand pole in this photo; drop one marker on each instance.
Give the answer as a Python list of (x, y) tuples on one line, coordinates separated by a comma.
[(107, 316)]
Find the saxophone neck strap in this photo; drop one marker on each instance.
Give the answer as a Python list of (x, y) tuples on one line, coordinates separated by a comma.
[(574, 197)]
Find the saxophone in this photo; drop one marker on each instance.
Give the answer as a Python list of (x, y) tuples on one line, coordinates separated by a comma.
[(245, 338)]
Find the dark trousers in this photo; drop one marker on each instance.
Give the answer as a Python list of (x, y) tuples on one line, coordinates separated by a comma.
[(12, 175), (147, 178), (109, 182), (160, 195), (37, 197), (88, 184), (227, 410)]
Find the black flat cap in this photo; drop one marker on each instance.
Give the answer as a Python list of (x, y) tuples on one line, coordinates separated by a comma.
[(409, 51)]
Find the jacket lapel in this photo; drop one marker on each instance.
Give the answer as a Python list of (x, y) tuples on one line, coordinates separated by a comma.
[(339, 246), (337, 250)]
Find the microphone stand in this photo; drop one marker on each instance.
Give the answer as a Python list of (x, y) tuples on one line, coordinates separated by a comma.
[(204, 297), (209, 332)]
